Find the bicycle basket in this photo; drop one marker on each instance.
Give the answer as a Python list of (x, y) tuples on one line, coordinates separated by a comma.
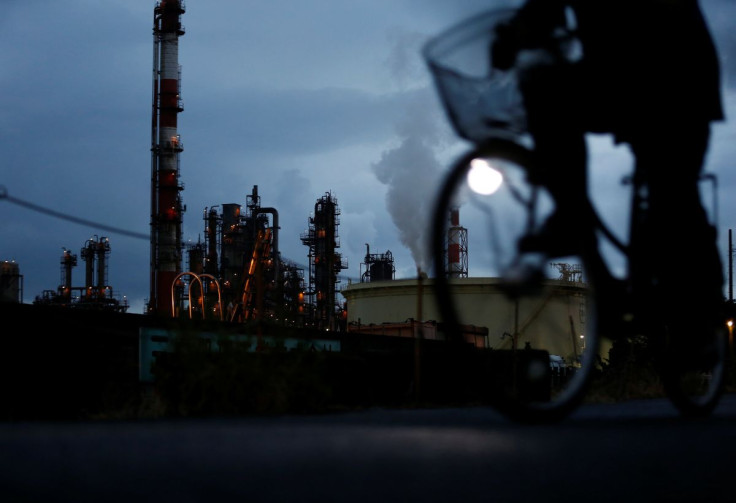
[(482, 102)]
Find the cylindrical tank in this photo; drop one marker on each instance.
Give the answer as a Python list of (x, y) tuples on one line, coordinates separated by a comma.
[(10, 282), (481, 303)]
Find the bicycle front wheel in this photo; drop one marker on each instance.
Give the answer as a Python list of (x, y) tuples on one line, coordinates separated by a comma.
[(541, 345)]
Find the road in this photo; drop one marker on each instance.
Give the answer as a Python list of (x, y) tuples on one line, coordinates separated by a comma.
[(635, 451)]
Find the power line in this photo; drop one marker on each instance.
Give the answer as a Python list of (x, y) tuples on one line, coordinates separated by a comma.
[(71, 218)]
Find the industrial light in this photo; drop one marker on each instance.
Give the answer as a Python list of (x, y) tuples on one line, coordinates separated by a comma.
[(482, 178)]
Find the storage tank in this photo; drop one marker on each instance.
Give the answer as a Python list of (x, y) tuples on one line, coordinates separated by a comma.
[(11, 282), (544, 321)]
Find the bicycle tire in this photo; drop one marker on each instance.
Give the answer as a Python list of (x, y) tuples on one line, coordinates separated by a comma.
[(515, 400), (695, 385)]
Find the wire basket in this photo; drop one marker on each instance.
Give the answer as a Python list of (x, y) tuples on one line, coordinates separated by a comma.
[(482, 102)]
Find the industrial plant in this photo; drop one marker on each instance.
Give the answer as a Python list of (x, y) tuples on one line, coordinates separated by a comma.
[(235, 276), (236, 273), (96, 293)]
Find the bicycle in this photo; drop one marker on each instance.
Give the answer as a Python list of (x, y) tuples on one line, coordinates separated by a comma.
[(567, 324)]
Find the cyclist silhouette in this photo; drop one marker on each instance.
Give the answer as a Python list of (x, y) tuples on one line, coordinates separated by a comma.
[(648, 74)]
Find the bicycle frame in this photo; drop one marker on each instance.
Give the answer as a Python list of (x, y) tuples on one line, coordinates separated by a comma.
[(623, 307), (634, 292)]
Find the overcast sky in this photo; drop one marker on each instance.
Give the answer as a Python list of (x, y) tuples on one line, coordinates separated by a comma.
[(298, 97)]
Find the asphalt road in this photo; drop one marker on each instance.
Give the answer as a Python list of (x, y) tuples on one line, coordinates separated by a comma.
[(636, 451)]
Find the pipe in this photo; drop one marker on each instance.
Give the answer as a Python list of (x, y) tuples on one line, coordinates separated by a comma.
[(275, 241)]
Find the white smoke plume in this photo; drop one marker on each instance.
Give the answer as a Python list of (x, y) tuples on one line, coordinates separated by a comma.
[(411, 172)]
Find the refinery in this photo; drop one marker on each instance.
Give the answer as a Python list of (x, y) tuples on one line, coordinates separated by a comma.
[(235, 275), (236, 272)]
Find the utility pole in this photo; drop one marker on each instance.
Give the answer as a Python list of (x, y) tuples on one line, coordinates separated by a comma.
[(730, 266)]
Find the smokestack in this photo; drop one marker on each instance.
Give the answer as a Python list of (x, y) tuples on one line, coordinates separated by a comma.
[(166, 206), (457, 247), (730, 266)]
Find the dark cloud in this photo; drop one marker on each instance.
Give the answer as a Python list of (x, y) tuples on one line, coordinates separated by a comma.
[(295, 121)]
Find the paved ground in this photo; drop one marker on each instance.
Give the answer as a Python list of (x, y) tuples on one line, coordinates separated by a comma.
[(638, 451)]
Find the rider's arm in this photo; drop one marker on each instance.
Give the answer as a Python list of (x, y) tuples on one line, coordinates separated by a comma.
[(531, 27)]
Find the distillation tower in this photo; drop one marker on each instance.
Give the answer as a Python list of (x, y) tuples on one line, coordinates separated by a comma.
[(325, 263), (96, 294), (166, 204), (95, 251)]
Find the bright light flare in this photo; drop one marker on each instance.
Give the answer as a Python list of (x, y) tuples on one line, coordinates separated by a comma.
[(482, 178)]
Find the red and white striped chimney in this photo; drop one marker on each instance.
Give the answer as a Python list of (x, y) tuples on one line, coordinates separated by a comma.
[(166, 205), (457, 247)]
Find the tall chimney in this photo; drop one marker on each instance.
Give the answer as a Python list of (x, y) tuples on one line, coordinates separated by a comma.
[(166, 205), (457, 247)]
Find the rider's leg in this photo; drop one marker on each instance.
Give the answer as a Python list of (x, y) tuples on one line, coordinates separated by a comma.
[(553, 117), (684, 249)]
